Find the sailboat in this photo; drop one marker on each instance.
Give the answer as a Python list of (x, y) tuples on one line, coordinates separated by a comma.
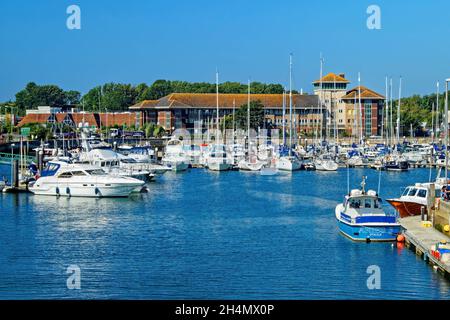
[(414, 199), (396, 161), (217, 156), (288, 162), (251, 162)]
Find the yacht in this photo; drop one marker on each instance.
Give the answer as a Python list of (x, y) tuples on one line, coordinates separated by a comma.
[(175, 157), (140, 154), (251, 164), (117, 164), (217, 158), (395, 163), (325, 163), (361, 217), (288, 163), (237, 152), (77, 180)]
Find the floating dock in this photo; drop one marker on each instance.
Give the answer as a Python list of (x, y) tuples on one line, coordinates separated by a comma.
[(420, 239)]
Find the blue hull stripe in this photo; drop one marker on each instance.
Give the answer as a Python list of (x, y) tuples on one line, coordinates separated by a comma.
[(373, 233)]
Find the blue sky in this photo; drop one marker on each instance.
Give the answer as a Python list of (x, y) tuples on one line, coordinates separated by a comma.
[(138, 41)]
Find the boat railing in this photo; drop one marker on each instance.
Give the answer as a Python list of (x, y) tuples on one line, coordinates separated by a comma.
[(6, 158)]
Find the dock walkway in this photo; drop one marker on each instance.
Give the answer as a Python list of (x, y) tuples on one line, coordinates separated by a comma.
[(422, 238)]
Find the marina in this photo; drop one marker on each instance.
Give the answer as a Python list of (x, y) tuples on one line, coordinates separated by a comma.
[(192, 236), (218, 158)]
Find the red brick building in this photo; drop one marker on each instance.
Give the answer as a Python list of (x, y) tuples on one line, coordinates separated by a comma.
[(371, 111), (181, 110)]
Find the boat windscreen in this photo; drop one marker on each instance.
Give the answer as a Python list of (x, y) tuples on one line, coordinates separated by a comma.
[(50, 169), (96, 172)]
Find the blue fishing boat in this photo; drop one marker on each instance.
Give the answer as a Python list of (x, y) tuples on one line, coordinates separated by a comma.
[(362, 218)]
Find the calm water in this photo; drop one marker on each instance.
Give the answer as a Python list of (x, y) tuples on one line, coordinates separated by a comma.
[(205, 235)]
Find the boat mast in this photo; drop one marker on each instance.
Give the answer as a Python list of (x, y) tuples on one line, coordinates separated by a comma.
[(248, 119), (360, 109), (217, 107), (355, 126), (438, 126), (284, 117), (382, 111), (290, 104), (446, 130), (391, 131), (234, 108), (334, 107), (398, 110), (320, 99)]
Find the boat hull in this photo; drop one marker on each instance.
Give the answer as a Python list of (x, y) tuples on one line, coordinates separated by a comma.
[(177, 166), (369, 232), (90, 191), (407, 208), (250, 166), (326, 166), (286, 164), (219, 166)]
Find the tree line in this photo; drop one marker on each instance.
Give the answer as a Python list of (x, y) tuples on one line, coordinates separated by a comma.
[(114, 97)]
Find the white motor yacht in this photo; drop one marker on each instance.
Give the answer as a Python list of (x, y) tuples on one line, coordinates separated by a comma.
[(78, 180), (175, 157), (325, 163), (117, 164)]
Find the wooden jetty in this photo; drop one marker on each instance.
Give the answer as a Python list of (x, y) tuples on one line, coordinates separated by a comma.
[(420, 238)]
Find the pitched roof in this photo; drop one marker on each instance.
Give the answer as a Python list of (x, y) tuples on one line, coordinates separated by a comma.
[(332, 77), (61, 116), (112, 119), (227, 100), (89, 118), (34, 118), (146, 104), (366, 93)]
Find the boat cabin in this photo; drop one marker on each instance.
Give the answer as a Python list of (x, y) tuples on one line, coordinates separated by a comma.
[(361, 201)]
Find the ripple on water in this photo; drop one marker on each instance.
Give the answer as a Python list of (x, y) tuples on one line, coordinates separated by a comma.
[(207, 235)]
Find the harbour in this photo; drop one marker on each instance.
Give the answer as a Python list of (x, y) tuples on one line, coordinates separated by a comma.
[(213, 159), (192, 236)]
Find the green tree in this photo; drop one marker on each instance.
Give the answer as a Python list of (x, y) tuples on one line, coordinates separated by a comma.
[(46, 95), (40, 131), (111, 97), (256, 115), (72, 97)]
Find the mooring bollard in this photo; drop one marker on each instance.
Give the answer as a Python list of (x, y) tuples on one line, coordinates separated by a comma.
[(422, 213)]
